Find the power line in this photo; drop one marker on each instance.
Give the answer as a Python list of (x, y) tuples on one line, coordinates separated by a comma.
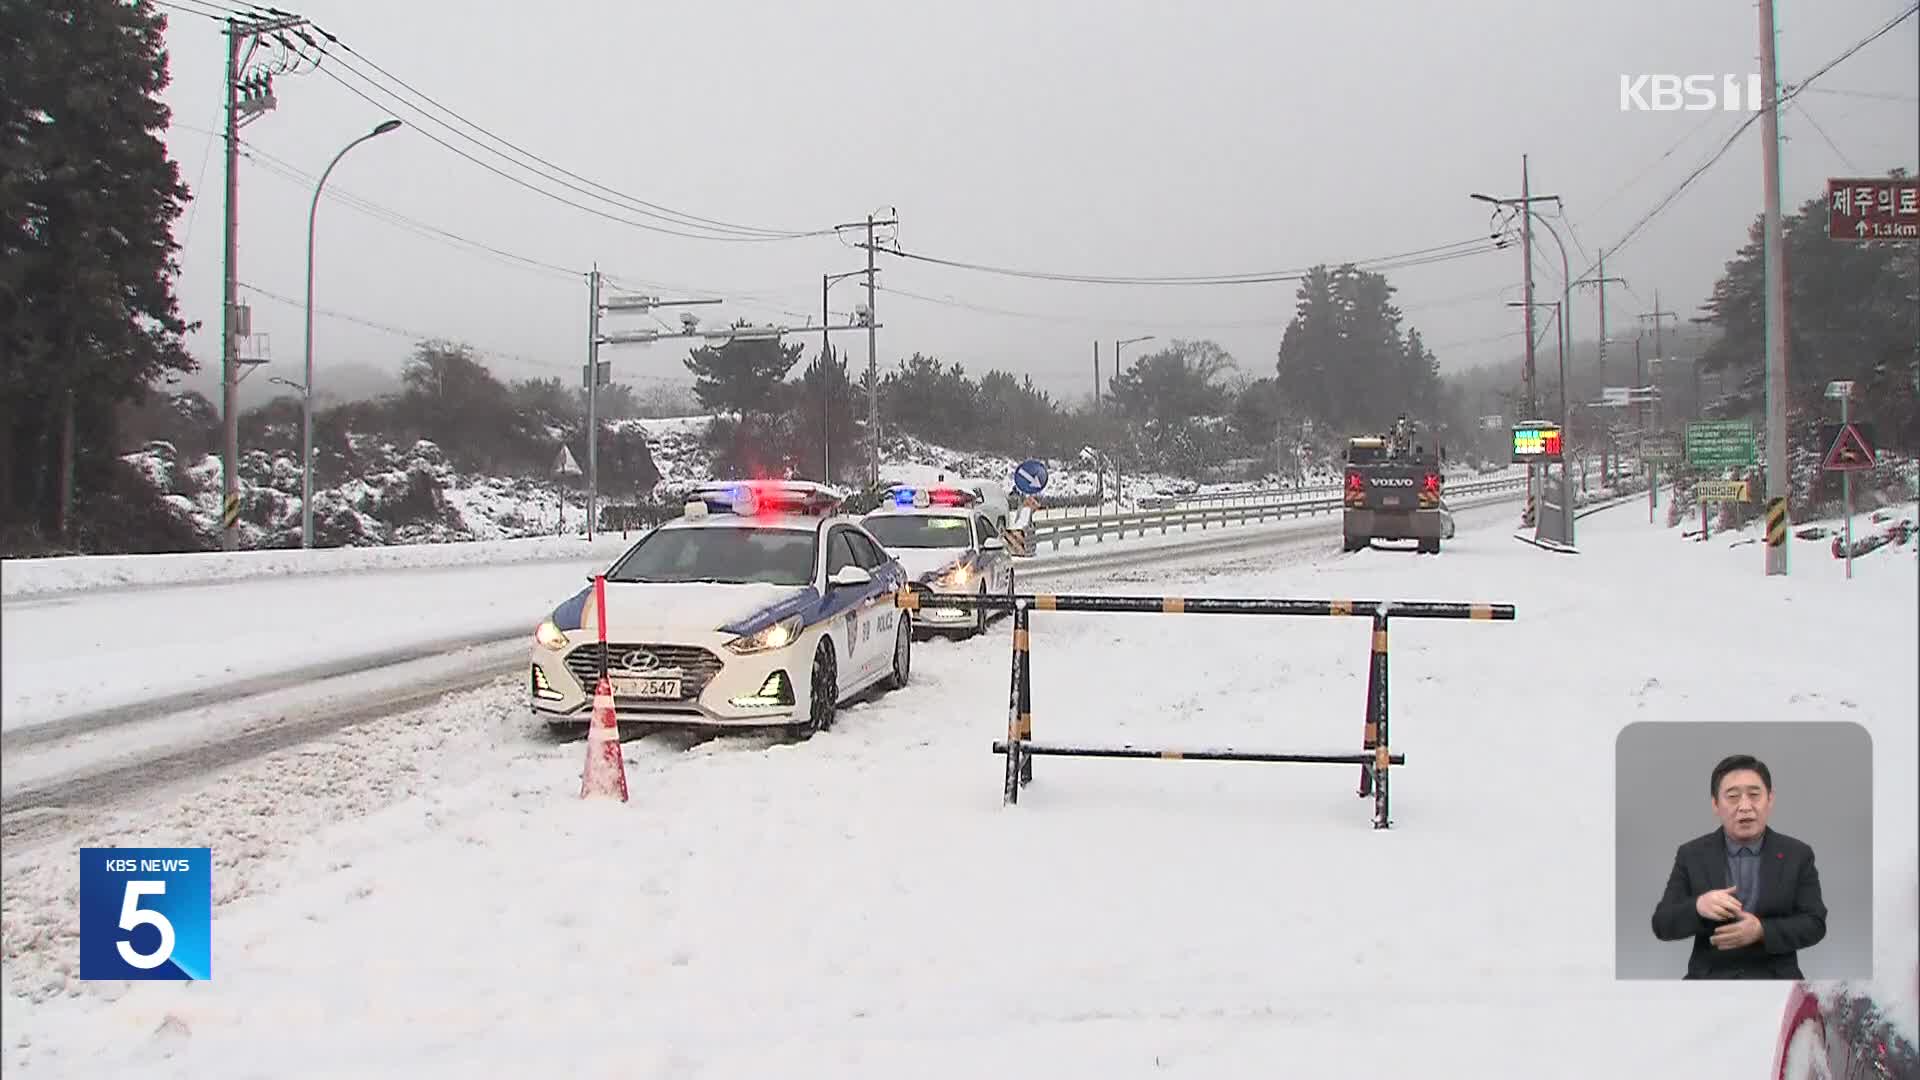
[(1875, 95), (1800, 108), (412, 335), (540, 166), (288, 171), (1419, 257), (689, 219), (1784, 98), (179, 5)]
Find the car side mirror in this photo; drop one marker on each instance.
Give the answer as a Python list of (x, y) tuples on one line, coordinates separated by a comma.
[(993, 543), (850, 577)]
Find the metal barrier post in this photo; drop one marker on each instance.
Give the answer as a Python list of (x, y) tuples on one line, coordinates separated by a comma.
[(1377, 706), (1019, 716)]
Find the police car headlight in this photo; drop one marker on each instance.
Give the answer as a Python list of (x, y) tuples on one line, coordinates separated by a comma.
[(957, 578), (550, 636), (777, 636)]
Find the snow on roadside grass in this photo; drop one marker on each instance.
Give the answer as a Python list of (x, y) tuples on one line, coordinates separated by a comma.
[(73, 655), (861, 904), (23, 579)]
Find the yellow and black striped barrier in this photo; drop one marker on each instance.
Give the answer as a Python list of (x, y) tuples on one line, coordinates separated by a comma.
[(1776, 521), (1375, 760), (230, 512)]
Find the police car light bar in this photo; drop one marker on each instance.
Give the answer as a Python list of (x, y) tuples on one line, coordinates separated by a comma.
[(906, 496), (751, 497)]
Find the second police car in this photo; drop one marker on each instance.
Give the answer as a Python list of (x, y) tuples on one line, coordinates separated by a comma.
[(761, 606), (948, 543)]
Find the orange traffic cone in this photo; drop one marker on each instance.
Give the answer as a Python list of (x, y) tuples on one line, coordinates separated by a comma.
[(606, 773)]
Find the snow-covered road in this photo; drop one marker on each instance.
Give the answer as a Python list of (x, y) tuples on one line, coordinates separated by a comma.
[(427, 898)]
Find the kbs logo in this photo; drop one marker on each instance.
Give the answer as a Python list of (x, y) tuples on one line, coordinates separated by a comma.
[(146, 913), (1689, 93)]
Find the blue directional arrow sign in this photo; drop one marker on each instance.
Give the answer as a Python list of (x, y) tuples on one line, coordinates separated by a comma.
[(1030, 477)]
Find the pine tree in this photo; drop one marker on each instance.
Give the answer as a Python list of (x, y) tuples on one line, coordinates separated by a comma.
[(88, 196), (741, 376)]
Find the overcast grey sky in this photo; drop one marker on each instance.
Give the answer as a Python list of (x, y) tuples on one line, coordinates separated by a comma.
[(1111, 138)]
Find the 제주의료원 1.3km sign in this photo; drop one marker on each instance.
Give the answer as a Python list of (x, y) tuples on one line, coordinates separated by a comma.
[(1873, 209)]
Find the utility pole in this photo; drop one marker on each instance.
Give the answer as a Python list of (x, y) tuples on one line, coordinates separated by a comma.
[(1096, 377), (873, 372), (1525, 204), (872, 223), (594, 381), (1777, 523), (826, 392), (247, 97), (1659, 354), (1600, 281)]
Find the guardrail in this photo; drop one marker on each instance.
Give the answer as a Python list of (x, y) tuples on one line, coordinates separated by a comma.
[(1100, 525)]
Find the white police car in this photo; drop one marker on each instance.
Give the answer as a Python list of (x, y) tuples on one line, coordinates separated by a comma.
[(948, 543), (761, 607)]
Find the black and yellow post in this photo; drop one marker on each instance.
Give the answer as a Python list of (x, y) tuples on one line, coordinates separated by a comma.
[(1378, 737), (230, 512), (1776, 521), (1019, 710)]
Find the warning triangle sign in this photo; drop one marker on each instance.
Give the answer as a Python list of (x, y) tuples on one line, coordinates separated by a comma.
[(1849, 451), (564, 463)]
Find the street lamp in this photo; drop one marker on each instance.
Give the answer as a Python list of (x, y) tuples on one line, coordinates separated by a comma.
[(306, 396)]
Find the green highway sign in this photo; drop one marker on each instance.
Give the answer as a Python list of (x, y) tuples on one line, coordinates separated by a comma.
[(1720, 444), (1660, 448)]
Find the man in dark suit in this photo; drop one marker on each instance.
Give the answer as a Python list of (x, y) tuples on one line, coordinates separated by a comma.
[(1748, 896)]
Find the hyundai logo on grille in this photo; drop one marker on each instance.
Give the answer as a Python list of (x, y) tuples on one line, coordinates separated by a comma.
[(641, 660), (1395, 481)]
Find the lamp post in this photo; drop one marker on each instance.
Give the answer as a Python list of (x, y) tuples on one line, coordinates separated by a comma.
[(306, 396)]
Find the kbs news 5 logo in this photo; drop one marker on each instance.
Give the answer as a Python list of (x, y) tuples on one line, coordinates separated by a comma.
[(146, 913)]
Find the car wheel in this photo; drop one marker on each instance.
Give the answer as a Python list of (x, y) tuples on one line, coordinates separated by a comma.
[(902, 655), (823, 698)]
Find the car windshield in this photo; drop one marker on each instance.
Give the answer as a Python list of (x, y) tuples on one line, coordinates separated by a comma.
[(722, 555), (917, 531)]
